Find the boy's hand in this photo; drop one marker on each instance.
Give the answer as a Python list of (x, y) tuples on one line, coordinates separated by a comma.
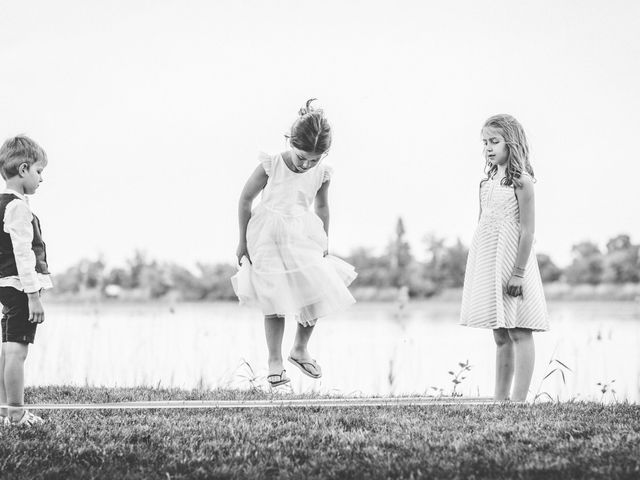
[(36, 312)]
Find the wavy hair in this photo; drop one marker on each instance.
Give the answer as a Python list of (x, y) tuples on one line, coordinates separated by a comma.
[(311, 132), (517, 149)]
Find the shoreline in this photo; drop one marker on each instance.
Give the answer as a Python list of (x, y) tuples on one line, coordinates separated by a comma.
[(554, 292)]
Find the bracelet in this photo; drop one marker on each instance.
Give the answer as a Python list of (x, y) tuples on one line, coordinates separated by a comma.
[(519, 276)]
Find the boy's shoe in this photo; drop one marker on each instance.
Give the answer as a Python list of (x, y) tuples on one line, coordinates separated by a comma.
[(29, 420)]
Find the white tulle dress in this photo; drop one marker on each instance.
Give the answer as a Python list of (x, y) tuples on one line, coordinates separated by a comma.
[(289, 274)]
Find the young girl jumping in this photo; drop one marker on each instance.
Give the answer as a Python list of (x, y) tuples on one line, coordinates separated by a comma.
[(502, 285), (285, 268)]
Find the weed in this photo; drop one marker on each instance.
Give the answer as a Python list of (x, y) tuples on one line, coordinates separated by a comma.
[(557, 367), (248, 374), (437, 392), (458, 377), (607, 388), (391, 378)]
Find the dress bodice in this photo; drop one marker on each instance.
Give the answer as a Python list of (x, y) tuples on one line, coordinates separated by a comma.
[(287, 192), (499, 204)]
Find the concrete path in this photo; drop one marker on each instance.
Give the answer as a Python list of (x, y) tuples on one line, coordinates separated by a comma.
[(271, 403)]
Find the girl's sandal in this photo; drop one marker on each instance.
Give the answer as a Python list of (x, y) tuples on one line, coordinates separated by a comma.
[(304, 369), (275, 379)]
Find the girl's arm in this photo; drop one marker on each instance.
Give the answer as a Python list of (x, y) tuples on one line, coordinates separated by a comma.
[(322, 207), (252, 188), (526, 206)]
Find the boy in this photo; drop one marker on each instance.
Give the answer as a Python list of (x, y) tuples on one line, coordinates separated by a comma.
[(23, 271)]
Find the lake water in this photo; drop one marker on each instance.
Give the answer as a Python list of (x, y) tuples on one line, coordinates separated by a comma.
[(369, 349)]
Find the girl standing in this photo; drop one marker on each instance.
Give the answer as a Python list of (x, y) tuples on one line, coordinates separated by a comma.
[(287, 269), (502, 285)]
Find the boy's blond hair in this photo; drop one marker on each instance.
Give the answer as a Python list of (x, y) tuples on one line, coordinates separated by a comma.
[(18, 150)]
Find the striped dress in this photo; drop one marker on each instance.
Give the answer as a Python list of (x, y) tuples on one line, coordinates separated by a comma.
[(492, 257)]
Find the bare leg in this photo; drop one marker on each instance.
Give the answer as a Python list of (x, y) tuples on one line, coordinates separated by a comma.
[(3, 392), (299, 350), (274, 331), (504, 363), (525, 359), (14, 356)]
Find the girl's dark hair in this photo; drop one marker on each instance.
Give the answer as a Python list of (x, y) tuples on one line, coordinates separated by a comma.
[(311, 131), (517, 147)]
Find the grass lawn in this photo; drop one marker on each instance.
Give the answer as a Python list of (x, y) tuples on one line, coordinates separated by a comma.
[(578, 440)]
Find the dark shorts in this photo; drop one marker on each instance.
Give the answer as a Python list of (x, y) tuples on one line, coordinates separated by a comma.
[(16, 326)]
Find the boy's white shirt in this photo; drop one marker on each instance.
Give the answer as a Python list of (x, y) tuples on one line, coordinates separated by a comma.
[(17, 223)]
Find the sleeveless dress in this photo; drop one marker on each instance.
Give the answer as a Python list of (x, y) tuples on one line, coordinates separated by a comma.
[(490, 263), (286, 242)]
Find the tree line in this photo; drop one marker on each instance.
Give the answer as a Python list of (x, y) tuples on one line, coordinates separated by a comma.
[(397, 267)]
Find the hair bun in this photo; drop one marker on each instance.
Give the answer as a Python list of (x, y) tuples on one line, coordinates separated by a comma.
[(308, 108), (311, 131)]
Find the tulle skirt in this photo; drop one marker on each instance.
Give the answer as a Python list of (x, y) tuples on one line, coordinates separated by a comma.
[(288, 274)]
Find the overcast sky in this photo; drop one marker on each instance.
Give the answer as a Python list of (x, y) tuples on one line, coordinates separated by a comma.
[(153, 113)]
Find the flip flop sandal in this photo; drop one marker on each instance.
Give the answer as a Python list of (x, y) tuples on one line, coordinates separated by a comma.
[(282, 379), (301, 365)]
